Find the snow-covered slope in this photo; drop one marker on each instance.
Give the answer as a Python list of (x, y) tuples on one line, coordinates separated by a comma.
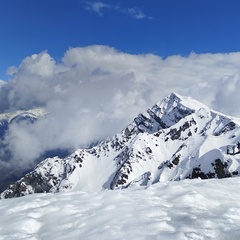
[(180, 210), (177, 138)]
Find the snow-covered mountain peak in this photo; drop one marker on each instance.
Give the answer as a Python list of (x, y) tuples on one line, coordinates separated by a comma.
[(176, 100), (168, 112), (177, 138)]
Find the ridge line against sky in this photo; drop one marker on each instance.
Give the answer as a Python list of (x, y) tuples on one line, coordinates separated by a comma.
[(164, 28)]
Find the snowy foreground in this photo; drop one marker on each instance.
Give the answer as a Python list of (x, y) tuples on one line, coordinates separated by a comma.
[(188, 209)]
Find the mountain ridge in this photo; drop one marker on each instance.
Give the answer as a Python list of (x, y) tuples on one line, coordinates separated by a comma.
[(177, 138)]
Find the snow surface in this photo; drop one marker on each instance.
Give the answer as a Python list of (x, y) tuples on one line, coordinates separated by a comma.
[(186, 210)]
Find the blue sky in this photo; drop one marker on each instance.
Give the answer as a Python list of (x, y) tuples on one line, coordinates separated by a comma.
[(162, 27)]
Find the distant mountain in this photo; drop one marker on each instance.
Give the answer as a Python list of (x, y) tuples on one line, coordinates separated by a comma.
[(6, 119), (177, 138)]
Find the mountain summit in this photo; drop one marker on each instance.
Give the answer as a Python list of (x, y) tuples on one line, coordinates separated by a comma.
[(177, 138)]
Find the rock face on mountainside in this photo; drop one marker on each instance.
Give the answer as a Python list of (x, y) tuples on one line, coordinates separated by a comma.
[(176, 139)]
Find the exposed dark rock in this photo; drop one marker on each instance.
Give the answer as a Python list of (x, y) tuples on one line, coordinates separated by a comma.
[(221, 169), (176, 160), (170, 165), (174, 134), (197, 173), (228, 127), (148, 150), (35, 180), (235, 173)]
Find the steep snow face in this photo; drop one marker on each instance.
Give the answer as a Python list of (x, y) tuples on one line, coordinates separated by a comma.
[(176, 139)]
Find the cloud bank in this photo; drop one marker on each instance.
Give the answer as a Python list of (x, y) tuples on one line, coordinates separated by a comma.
[(96, 91)]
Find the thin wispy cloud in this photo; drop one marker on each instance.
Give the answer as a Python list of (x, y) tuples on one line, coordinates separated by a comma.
[(135, 13), (99, 7)]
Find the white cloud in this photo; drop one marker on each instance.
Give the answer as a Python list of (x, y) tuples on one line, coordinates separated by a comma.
[(135, 13), (11, 70), (227, 97), (95, 91), (98, 8), (2, 82)]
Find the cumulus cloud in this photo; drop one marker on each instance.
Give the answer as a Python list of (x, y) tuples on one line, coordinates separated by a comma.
[(227, 97), (2, 82), (96, 91)]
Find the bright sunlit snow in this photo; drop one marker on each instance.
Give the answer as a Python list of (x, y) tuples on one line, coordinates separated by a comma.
[(185, 210)]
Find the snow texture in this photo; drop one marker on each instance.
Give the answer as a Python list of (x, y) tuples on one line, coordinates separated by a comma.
[(187, 210)]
